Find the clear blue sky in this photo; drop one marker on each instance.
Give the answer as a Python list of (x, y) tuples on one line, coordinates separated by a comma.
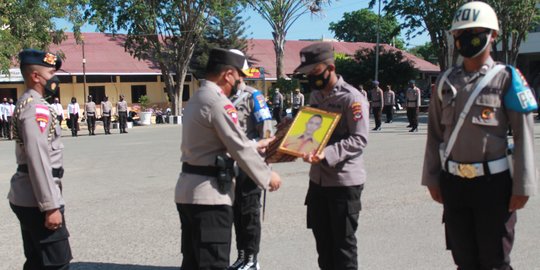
[(307, 27)]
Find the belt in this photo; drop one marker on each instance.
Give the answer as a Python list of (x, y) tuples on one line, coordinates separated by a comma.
[(56, 172), (211, 171), (90, 113), (472, 170)]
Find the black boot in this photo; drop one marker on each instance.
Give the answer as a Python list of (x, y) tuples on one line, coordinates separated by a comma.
[(250, 263), (239, 261)]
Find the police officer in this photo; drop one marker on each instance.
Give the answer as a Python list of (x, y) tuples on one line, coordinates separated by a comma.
[(8, 110), (389, 99), (90, 113), (106, 109), (73, 109), (2, 121), (377, 104), (277, 105), (412, 103), (255, 119), (338, 173), (466, 167), (362, 91), (297, 102), (122, 109), (35, 195), (211, 136), (59, 111)]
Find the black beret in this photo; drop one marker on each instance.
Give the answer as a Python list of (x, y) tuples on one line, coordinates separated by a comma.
[(310, 56), (41, 58), (226, 57)]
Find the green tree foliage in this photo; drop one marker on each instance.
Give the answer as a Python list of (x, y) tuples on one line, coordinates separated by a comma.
[(361, 26), (426, 52), (30, 24), (395, 69), (281, 15), (165, 32), (226, 29)]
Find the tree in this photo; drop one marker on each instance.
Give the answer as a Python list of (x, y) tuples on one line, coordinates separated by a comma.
[(165, 32), (395, 69), (29, 24), (426, 52), (361, 26), (226, 29), (281, 15)]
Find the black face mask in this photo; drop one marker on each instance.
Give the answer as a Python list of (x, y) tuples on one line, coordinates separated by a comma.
[(470, 44), (234, 88), (52, 85), (319, 82)]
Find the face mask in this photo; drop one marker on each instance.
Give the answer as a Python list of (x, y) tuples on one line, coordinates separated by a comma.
[(470, 44), (319, 82), (51, 85)]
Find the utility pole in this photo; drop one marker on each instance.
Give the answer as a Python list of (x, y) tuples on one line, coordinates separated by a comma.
[(84, 71), (378, 42)]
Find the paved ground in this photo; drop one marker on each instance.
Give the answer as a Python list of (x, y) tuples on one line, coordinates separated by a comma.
[(121, 213)]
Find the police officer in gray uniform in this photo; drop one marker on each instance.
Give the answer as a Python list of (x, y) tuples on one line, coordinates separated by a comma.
[(35, 194), (389, 98), (413, 96), (122, 109), (466, 167), (337, 174), (255, 119), (211, 139), (90, 112), (377, 104), (106, 110)]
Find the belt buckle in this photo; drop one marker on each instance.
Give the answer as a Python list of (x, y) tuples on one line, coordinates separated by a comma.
[(467, 171)]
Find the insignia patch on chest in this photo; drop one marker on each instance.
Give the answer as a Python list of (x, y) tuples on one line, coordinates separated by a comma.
[(42, 116), (231, 111), (356, 109), (488, 113)]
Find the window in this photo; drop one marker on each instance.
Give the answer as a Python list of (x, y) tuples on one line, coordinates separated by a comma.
[(97, 93), (136, 92)]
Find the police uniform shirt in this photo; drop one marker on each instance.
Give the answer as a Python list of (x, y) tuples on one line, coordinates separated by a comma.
[(255, 126), (389, 98), (210, 129), (297, 100), (278, 100), (106, 108), (343, 164), (413, 97), (2, 117), (376, 97), (90, 107), (483, 136), (58, 109), (41, 150), (121, 106)]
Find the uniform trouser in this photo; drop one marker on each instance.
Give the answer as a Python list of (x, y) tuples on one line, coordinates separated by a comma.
[(74, 119), (44, 249), (377, 116), (412, 114), (122, 119), (389, 111), (7, 128), (206, 236), (332, 215), (1, 127), (247, 215), (106, 123), (91, 122), (59, 118), (276, 112), (479, 228), (295, 112)]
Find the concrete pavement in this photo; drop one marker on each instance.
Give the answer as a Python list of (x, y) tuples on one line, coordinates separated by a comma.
[(121, 214)]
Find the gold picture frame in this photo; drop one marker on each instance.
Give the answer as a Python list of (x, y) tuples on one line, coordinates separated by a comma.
[(309, 132)]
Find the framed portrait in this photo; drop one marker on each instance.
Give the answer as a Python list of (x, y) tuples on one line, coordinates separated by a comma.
[(309, 132)]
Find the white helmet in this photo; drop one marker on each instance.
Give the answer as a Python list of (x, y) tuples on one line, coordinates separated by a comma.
[(475, 14)]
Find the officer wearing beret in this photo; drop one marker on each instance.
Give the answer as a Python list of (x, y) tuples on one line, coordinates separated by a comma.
[(413, 96), (377, 104), (211, 139), (90, 113), (337, 174), (35, 194), (466, 166)]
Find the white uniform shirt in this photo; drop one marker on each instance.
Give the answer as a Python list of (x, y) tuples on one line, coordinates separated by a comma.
[(73, 108), (59, 109)]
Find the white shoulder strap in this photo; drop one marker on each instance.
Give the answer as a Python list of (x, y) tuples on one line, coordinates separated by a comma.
[(487, 78), (442, 81), (240, 97)]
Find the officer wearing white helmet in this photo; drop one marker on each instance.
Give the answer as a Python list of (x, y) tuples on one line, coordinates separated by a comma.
[(467, 165)]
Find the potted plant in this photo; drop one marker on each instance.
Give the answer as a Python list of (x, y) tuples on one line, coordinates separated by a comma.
[(146, 112)]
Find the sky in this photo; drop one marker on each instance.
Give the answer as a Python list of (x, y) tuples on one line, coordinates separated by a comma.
[(307, 27)]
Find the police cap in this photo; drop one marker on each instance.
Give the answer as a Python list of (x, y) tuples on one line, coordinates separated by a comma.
[(310, 56), (221, 56), (41, 58)]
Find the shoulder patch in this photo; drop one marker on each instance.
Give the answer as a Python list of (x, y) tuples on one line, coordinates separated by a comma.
[(261, 112), (356, 109), (42, 116), (231, 111), (519, 96)]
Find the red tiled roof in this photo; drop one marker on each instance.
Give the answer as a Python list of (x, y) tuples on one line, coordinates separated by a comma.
[(261, 52)]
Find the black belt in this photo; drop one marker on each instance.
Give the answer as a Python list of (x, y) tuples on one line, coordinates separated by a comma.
[(211, 171), (56, 172), (90, 113)]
